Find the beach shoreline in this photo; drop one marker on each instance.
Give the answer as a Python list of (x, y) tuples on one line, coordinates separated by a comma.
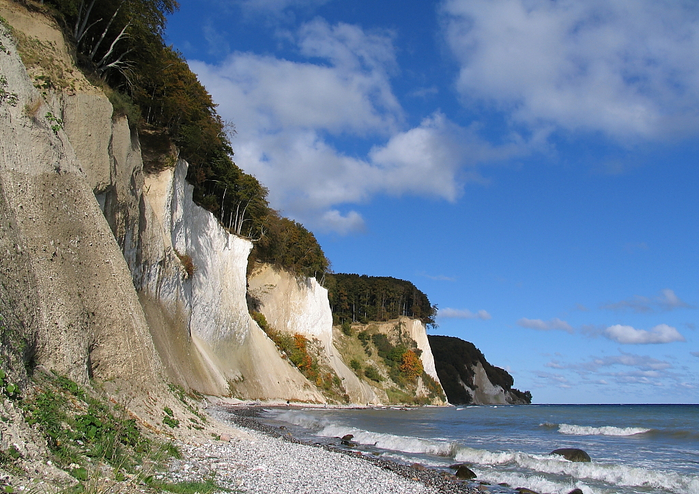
[(261, 458)]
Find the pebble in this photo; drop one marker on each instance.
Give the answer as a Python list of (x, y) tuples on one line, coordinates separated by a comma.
[(263, 460)]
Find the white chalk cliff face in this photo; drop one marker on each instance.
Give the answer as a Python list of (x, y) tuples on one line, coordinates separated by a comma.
[(301, 306), (92, 256), (231, 353)]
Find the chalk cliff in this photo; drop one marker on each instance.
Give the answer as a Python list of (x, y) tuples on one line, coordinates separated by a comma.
[(467, 377), (114, 274)]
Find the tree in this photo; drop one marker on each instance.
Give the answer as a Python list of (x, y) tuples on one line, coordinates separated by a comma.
[(411, 365)]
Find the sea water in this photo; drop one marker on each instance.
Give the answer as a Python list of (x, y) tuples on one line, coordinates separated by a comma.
[(634, 448)]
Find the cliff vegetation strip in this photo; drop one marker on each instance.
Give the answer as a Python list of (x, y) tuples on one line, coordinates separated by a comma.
[(120, 48)]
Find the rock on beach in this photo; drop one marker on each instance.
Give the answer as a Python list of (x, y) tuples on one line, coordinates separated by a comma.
[(257, 462)]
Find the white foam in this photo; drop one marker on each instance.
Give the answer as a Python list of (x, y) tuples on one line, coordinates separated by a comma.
[(299, 418), (536, 483), (581, 430), (610, 474), (404, 444)]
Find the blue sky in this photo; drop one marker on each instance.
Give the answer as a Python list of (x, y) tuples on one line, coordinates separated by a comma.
[(531, 165)]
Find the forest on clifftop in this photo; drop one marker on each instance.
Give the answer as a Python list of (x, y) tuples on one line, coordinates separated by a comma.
[(120, 46)]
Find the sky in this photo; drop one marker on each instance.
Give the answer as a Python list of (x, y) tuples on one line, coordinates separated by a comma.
[(531, 165)]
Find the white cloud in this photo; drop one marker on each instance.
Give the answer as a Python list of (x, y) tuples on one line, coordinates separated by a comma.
[(277, 8), (440, 277), (289, 113), (627, 69), (335, 221), (661, 333), (463, 314), (538, 324), (667, 300)]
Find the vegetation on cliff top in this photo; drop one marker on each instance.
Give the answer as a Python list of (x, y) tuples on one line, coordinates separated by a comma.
[(356, 298), (386, 357), (454, 360), (121, 44)]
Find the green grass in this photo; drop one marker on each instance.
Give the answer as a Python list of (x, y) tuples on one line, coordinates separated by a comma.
[(203, 487), (83, 429)]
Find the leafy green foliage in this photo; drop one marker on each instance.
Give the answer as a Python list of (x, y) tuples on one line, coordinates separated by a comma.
[(288, 244), (55, 122), (122, 43), (78, 426), (5, 95), (9, 389), (454, 360), (372, 373), (372, 298)]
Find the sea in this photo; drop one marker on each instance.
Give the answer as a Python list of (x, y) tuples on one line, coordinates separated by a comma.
[(634, 448)]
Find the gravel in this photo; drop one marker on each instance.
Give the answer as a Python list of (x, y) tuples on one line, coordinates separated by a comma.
[(265, 460)]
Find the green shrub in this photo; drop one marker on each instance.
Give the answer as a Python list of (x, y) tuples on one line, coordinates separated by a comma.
[(347, 328), (372, 373), (260, 319)]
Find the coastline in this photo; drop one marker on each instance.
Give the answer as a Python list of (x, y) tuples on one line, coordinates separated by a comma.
[(262, 459)]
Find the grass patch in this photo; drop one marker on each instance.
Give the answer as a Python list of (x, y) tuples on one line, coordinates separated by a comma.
[(84, 431), (203, 487)]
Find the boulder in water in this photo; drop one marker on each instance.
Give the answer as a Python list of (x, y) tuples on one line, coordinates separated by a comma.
[(572, 454), (464, 472)]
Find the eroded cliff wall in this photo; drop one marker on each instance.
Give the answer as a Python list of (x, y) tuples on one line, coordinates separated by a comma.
[(200, 318), (74, 287), (112, 274)]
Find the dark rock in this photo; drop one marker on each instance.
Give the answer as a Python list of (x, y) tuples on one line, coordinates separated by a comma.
[(419, 467), (572, 454), (524, 490), (347, 437), (576, 491), (463, 472)]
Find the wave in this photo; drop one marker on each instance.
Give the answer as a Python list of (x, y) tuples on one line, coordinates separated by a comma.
[(610, 474), (607, 430), (404, 444)]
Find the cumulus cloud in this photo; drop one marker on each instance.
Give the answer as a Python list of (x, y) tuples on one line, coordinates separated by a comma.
[(538, 324), (440, 277), (627, 69), (666, 301), (463, 314), (628, 335), (289, 113), (277, 8)]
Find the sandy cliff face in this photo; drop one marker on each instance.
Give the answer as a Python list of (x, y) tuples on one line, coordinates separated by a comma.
[(76, 288), (93, 266), (301, 306)]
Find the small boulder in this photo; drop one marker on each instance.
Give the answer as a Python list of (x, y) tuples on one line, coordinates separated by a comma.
[(572, 454), (465, 473), (347, 437), (576, 491), (419, 467), (524, 490)]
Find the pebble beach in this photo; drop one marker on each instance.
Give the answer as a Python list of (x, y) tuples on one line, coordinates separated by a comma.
[(262, 459)]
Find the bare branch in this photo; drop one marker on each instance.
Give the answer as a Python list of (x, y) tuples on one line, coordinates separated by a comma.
[(104, 33)]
